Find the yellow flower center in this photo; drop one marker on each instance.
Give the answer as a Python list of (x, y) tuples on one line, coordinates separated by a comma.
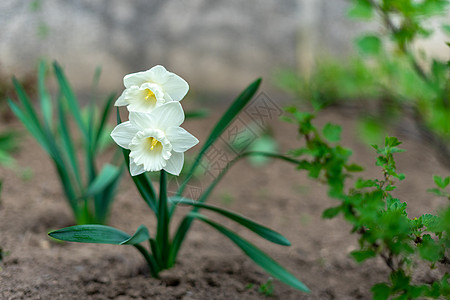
[(153, 143), (149, 94), (151, 97)]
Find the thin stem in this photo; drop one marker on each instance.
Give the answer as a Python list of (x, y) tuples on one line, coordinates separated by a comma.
[(388, 261), (403, 47), (162, 234)]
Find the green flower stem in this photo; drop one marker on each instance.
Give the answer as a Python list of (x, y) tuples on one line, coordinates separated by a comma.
[(162, 234)]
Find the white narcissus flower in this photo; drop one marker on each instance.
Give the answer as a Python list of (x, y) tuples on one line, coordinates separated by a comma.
[(155, 139), (145, 91)]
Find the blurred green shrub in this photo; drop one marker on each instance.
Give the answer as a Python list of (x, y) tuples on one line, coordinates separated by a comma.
[(387, 72), (408, 246)]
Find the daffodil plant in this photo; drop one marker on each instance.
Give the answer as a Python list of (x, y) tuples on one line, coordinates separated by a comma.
[(90, 196), (152, 140)]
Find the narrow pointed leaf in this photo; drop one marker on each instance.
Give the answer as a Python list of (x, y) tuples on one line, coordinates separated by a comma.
[(104, 117), (261, 230), (258, 256), (197, 114), (100, 234), (91, 119), (45, 100), (104, 200), (220, 127), (67, 143), (31, 127), (183, 228), (66, 90), (107, 175), (141, 235), (28, 109), (96, 234)]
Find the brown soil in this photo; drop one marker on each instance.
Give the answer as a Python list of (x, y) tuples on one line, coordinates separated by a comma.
[(209, 266)]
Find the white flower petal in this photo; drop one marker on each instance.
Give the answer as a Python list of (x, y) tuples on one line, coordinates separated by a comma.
[(135, 79), (168, 115), (158, 74), (121, 101), (141, 120), (175, 163), (123, 134), (136, 169), (176, 87), (180, 139)]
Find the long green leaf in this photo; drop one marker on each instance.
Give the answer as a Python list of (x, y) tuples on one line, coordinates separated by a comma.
[(100, 190), (100, 234), (104, 117), (45, 100), (104, 200), (69, 148), (220, 127), (261, 230), (66, 90), (96, 234), (29, 118), (31, 127), (258, 256), (184, 226), (92, 109), (138, 237), (28, 109), (151, 262), (107, 175), (196, 114)]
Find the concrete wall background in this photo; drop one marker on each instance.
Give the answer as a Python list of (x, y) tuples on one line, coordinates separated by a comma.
[(215, 45)]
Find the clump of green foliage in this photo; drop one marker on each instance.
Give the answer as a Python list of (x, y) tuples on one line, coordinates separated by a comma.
[(378, 218), (89, 195), (8, 144), (266, 289)]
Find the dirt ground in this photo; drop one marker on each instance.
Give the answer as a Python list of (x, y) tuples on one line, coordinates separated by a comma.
[(209, 265)]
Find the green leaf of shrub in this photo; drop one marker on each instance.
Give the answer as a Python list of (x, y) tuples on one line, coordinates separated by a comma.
[(361, 9), (369, 45), (362, 255), (381, 291), (332, 132), (441, 182), (354, 168), (331, 212)]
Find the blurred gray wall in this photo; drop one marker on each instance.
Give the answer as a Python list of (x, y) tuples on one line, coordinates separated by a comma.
[(215, 45)]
